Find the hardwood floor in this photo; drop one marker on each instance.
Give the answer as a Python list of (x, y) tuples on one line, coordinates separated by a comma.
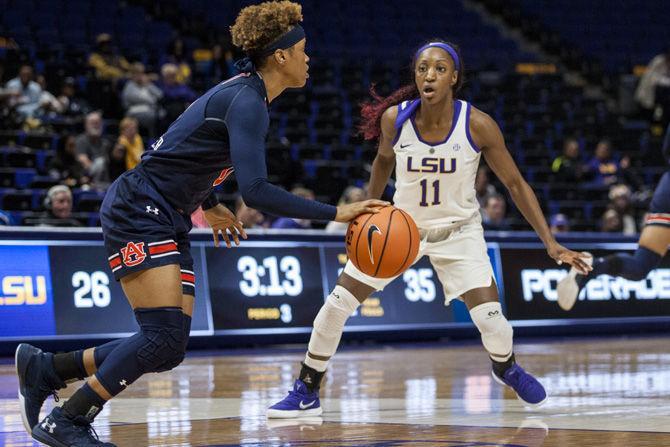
[(605, 392)]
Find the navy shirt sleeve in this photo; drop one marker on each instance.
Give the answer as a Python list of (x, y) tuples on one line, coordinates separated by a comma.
[(246, 119), (210, 201)]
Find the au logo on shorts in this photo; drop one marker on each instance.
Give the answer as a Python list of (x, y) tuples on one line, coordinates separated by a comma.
[(133, 253)]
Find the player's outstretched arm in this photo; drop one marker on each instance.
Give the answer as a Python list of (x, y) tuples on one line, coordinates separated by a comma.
[(247, 124), (384, 161), (348, 212), (489, 138)]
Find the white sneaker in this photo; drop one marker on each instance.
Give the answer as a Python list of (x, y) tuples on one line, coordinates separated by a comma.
[(568, 288)]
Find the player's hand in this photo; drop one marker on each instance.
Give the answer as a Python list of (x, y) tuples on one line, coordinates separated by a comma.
[(561, 255), (345, 213), (222, 220)]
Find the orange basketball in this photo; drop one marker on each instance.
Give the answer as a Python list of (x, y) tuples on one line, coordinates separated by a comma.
[(383, 245)]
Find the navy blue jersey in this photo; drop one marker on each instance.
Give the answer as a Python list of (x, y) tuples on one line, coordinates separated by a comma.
[(223, 131)]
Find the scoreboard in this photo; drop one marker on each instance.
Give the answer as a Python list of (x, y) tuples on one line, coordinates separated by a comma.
[(57, 284)]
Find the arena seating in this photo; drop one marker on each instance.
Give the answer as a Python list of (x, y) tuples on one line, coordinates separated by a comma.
[(621, 34), (312, 138)]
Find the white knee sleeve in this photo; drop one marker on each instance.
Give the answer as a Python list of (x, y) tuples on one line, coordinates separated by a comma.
[(329, 324), (496, 331)]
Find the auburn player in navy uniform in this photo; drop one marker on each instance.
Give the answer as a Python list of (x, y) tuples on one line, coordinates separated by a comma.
[(146, 219), (652, 246)]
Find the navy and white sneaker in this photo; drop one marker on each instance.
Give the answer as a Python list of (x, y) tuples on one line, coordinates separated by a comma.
[(37, 381), (569, 287), (528, 389), (57, 430), (299, 403)]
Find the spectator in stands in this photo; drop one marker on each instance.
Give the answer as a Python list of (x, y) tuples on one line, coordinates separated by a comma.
[(71, 103), (176, 95), (25, 93), (482, 185), (620, 201), (494, 213), (49, 104), (223, 60), (351, 194), (65, 166), (288, 222), (58, 204), (177, 56), (131, 141), (567, 166), (603, 168), (559, 223), (93, 150), (108, 65), (141, 98), (654, 88), (250, 217), (611, 222), (5, 219), (127, 150)]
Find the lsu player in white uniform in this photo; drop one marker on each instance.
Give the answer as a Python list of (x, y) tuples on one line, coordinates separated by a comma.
[(435, 143)]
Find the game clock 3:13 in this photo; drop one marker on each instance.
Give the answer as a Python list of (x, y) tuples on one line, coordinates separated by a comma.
[(270, 276)]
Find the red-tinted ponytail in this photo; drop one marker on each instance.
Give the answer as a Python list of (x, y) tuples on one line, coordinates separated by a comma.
[(372, 111)]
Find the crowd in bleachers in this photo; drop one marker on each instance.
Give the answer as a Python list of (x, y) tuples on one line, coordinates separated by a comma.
[(84, 95)]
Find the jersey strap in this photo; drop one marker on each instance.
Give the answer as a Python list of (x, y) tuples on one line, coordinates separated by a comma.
[(405, 111)]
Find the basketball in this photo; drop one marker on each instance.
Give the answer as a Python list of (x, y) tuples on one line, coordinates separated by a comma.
[(383, 245)]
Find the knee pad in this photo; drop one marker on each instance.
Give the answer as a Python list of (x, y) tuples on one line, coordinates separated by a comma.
[(163, 339), (497, 333), (329, 322)]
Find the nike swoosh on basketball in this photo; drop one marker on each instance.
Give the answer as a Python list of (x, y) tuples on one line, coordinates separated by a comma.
[(373, 229), (307, 405)]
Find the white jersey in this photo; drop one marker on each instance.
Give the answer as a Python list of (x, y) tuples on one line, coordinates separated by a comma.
[(435, 183)]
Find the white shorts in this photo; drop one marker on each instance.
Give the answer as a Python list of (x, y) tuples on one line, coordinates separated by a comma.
[(458, 255)]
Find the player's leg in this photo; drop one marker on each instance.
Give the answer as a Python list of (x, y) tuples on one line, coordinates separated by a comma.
[(463, 266), (652, 247), (353, 287), (156, 297), (83, 363), (329, 323), (42, 374), (187, 302), (497, 337)]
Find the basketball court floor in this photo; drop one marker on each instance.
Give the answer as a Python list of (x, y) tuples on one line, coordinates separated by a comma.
[(603, 392)]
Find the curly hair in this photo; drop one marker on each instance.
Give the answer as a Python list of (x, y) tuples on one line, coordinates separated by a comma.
[(257, 26)]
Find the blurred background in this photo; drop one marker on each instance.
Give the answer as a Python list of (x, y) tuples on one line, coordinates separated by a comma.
[(580, 89)]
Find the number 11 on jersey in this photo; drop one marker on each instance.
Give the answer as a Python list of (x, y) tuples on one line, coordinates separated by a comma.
[(424, 193)]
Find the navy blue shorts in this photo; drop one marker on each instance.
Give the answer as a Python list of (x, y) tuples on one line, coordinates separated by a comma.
[(659, 209), (142, 230)]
